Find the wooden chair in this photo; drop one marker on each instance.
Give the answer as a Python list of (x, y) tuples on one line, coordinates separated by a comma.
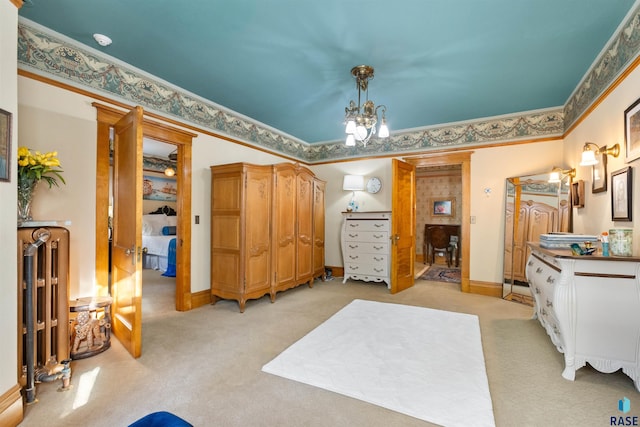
[(441, 239)]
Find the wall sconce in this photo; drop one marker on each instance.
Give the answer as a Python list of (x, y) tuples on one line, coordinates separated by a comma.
[(589, 156), (353, 183), (557, 174)]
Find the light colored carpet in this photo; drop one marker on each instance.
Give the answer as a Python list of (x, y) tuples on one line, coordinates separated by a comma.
[(418, 361)]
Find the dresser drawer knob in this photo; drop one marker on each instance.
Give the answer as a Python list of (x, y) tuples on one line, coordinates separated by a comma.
[(530, 263), (375, 258), (353, 246), (544, 312), (352, 225), (551, 279), (354, 256), (549, 303), (377, 248), (378, 236), (378, 225), (353, 236), (537, 290), (539, 270), (378, 270)]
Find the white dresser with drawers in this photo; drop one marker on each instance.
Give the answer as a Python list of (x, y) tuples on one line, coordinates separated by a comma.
[(366, 246), (590, 308)]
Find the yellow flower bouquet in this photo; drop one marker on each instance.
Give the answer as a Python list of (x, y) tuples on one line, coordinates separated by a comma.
[(35, 167)]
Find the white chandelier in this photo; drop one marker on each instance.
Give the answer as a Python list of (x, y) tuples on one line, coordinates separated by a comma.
[(361, 118)]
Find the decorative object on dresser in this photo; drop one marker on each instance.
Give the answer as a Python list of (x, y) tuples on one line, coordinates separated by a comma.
[(590, 308), (353, 183), (365, 246), (267, 230)]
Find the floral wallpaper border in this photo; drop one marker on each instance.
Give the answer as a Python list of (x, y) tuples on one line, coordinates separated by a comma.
[(44, 52)]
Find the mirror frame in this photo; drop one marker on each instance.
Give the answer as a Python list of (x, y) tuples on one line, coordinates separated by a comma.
[(537, 187)]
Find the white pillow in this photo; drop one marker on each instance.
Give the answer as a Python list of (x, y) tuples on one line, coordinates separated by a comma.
[(152, 224)]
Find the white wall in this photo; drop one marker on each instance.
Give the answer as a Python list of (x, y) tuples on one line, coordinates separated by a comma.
[(336, 199), (605, 126), (490, 167), (8, 201)]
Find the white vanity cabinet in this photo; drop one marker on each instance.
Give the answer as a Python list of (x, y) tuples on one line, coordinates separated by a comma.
[(590, 307), (365, 246)]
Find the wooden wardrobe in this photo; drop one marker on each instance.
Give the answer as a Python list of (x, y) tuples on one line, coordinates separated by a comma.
[(267, 230)]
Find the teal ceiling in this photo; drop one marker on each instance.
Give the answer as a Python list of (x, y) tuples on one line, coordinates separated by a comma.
[(286, 63)]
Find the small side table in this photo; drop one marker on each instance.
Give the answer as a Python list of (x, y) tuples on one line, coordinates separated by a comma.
[(90, 329)]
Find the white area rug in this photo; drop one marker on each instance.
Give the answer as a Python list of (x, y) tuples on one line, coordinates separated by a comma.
[(417, 361)]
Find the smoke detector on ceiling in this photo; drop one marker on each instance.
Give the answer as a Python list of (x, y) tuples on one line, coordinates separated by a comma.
[(102, 39)]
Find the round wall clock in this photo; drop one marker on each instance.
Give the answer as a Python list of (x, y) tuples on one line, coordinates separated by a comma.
[(374, 185)]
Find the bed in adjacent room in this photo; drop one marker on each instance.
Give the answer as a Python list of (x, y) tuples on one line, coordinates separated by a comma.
[(159, 237)]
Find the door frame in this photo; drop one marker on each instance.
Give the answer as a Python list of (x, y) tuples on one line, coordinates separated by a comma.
[(106, 118), (462, 158)]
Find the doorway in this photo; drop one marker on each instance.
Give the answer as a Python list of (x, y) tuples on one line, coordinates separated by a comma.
[(461, 161), (438, 219), (182, 140)]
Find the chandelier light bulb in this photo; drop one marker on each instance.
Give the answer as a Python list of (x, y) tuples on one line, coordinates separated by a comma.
[(351, 141), (351, 126), (361, 132), (384, 129)]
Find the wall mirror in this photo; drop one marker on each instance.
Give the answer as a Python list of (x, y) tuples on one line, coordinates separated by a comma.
[(533, 206)]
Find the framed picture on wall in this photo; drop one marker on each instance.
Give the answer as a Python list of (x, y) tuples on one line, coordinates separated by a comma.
[(632, 132), (599, 175), (442, 207), (5, 145), (621, 192), (159, 188), (577, 194)]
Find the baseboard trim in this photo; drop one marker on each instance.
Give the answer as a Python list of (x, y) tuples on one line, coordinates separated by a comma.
[(198, 299), (489, 289), (11, 409)]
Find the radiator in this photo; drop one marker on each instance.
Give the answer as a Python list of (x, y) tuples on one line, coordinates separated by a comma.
[(50, 299)]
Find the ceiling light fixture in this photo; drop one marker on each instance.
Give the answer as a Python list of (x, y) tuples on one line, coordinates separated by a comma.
[(102, 39), (589, 156), (361, 118)]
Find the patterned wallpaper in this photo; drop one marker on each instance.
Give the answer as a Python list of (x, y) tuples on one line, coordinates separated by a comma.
[(436, 183)]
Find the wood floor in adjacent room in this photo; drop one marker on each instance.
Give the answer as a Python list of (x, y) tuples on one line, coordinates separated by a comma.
[(205, 366)]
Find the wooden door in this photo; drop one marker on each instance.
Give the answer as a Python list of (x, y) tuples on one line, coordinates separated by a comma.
[(127, 232), (284, 233), (318, 228), (257, 246), (304, 226), (403, 218)]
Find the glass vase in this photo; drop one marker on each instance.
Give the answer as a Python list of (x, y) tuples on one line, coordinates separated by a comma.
[(26, 187)]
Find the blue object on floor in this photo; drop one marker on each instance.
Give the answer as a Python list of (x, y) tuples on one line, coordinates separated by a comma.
[(171, 260), (161, 419)]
